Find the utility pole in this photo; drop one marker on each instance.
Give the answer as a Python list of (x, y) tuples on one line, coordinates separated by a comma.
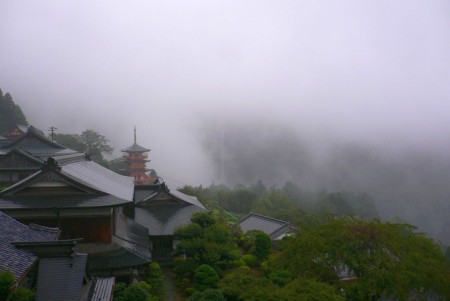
[(52, 130)]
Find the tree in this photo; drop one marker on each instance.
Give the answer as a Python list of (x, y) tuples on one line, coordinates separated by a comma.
[(384, 259), (10, 114), (207, 240), (263, 245), (237, 282), (303, 289), (271, 201), (71, 141), (95, 144), (91, 142)]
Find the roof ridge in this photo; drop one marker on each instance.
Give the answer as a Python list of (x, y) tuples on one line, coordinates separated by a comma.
[(265, 217), (33, 226)]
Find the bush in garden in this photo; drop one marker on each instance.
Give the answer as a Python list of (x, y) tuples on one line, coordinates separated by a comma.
[(205, 277), (7, 279), (22, 294), (208, 295), (281, 277), (155, 278), (249, 259)]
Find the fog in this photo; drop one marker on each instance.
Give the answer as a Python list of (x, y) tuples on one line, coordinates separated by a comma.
[(336, 95)]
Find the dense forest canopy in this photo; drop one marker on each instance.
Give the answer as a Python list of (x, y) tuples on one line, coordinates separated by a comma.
[(11, 114)]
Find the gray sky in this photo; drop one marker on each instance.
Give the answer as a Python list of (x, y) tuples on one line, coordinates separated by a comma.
[(372, 71)]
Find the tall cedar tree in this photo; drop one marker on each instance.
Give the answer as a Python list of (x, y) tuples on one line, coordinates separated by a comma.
[(10, 114)]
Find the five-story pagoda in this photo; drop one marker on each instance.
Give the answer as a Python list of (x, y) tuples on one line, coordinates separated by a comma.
[(136, 159)]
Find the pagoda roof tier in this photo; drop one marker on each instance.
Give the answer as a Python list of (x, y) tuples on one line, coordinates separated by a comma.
[(135, 148), (136, 161)]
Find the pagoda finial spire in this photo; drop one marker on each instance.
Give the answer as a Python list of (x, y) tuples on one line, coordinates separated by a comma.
[(134, 134)]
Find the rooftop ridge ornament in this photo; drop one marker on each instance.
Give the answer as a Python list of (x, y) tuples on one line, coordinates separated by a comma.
[(51, 164), (135, 134)]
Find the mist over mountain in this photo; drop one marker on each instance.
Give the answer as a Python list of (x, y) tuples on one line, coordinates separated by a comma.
[(407, 182), (338, 96)]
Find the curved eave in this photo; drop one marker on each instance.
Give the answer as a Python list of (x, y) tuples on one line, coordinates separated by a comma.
[(60, 202)]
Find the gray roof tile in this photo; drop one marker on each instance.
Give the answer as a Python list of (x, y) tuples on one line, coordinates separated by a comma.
[(100, 178), (165, 219), (17, 260), (271, 226), (74, 201), (101, 289)]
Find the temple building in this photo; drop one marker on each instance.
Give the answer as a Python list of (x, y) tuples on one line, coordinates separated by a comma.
[(53, 186), (136, 159)]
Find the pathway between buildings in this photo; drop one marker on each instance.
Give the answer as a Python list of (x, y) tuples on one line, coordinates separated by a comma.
[(171, 292)]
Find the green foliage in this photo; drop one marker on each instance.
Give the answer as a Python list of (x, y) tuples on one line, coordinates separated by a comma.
[(119, 291), (235, 284), (119, 165), (208, 295), (263, 245), (388, 260), (281, 277), (140, 291), (7, 280), (250, 260), (207, 240), (344, 203), (184, 270), (271, 201), (155, 278), (22, 294), (95, 144), (71, 141), (205, 277), (203, 219), (91, 142), (310, 290), (11, 114)]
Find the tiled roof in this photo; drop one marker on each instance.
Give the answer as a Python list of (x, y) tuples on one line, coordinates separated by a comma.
[(271, 226), (165, 219), (102, 188), (17, 260), (147, 195), (101, 289), (70, 201), (34, 141), (61, 278), (100, 178)]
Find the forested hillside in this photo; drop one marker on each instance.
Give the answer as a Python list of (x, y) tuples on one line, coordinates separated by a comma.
[(10, 113)]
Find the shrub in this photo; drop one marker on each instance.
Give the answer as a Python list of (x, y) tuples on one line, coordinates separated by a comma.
[(138, 292), (249, 259), (205, 277), (22, 294), (281, 277), (208, 295), (155, 278), (7, 279), (119, 291)]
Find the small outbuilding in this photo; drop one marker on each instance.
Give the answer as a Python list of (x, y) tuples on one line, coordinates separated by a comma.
[(275, 228)]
